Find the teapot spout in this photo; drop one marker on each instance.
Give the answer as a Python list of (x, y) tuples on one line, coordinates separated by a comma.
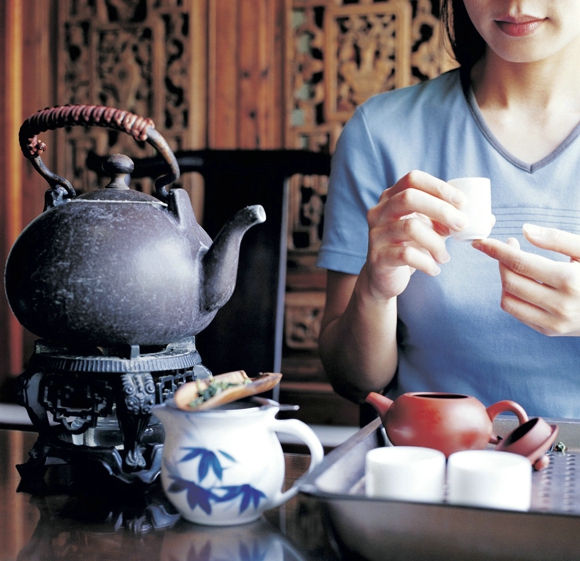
[(381, 403), (220, 263)]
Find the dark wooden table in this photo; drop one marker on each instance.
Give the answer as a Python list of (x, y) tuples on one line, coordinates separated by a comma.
[(103, 524)]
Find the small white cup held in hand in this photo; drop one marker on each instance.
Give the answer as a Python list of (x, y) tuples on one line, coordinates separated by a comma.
[(489, 478), (408, 473), (477, 207)]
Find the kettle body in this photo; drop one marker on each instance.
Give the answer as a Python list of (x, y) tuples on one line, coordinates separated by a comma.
[(115, 266)]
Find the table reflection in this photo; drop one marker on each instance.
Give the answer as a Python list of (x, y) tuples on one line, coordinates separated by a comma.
[(61, 534), (106, 522), (257, 541)]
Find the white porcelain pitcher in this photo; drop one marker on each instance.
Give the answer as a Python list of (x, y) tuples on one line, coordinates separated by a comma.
[(225, 466)]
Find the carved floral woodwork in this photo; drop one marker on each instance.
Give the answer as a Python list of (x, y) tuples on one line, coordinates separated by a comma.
[(138, 55), (303, 312), (368, 52), (340, 52), (306, 210)]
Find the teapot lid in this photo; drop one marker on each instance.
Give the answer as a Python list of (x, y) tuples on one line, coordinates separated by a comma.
[(119, 167), (532, 439)]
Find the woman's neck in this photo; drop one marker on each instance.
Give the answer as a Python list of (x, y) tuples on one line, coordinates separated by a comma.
[(540, 84), (530, 107)]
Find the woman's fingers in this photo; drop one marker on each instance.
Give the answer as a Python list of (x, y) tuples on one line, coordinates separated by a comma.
[(536, 267), (410, 255), (407, 230), (553, 239), (428, 184), (435, 209), (527, 313), (519, 292), (421, 193), (541, 293), (394, 243)]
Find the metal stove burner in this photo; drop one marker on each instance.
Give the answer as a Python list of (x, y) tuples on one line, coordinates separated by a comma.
[(94, 405)]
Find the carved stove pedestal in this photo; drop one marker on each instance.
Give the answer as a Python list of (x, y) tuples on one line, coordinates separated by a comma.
[(93, 407)]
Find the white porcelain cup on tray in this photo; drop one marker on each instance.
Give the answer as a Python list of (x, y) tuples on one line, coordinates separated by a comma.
[(477, 207), (408, 473), (489, 478)]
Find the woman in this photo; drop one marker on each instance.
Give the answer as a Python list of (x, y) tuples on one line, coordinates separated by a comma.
[(409, 309)]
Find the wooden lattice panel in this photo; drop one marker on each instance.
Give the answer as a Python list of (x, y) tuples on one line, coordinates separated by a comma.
[(302, 319), (144, 56), (339, 53), (306, 208), (367, 52)]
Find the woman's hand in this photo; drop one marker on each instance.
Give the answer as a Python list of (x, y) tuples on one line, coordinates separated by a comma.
[(407, 231), (539, 292)]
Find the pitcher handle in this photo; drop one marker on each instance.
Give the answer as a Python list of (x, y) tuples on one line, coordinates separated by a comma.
[(308, 436), (502, 406)]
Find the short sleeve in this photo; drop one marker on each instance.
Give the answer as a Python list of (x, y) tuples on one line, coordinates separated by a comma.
[(357, 179)]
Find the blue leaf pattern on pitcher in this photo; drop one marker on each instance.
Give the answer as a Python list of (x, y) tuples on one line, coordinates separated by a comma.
[(203, 497), (248, 493), (207, 460), (196, 495)]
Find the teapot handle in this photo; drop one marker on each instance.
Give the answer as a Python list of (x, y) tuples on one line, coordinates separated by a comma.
[(502, 406), (140, 128), (308, 436)]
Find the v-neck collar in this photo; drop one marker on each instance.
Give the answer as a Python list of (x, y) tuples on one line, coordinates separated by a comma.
[(492, 139)]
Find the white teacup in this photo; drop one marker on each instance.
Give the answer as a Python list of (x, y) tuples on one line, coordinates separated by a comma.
[(408, 473), (489, 478), (477, 207)]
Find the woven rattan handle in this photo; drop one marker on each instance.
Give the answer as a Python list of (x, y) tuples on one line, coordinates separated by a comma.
[(140, 128)]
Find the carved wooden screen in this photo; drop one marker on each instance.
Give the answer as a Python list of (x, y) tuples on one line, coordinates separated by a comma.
[(144, 56), (340, 53)]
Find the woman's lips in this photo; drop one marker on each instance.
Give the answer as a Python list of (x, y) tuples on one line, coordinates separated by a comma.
[(518, 28)]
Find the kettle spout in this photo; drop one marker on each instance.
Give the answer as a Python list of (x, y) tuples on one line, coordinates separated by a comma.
[(220, 263), (379, 402)]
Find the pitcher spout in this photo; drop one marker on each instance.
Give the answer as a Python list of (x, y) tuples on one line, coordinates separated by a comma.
[(381, 403), (220, 263)]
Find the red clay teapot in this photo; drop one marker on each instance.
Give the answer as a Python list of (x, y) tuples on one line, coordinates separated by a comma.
[(445, 421), (116, 266)]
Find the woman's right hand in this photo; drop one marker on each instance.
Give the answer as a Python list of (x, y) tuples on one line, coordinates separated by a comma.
[(407, 232)]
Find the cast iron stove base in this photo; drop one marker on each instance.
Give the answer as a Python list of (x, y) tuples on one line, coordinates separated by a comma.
[(94, 406)]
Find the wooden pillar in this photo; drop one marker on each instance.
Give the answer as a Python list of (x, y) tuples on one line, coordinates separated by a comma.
[(11, 29), (245, 94), (27, 69), (222, 73)]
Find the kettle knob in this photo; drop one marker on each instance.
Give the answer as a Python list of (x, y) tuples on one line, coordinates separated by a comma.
[(118, 167)]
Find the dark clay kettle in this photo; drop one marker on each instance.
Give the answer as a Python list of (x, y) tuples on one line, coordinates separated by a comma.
[(115, 266)]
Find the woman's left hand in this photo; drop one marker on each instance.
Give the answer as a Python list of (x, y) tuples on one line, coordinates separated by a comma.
[(539, 292)]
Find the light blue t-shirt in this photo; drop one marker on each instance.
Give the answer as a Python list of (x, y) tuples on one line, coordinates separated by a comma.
[(453, 335)]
